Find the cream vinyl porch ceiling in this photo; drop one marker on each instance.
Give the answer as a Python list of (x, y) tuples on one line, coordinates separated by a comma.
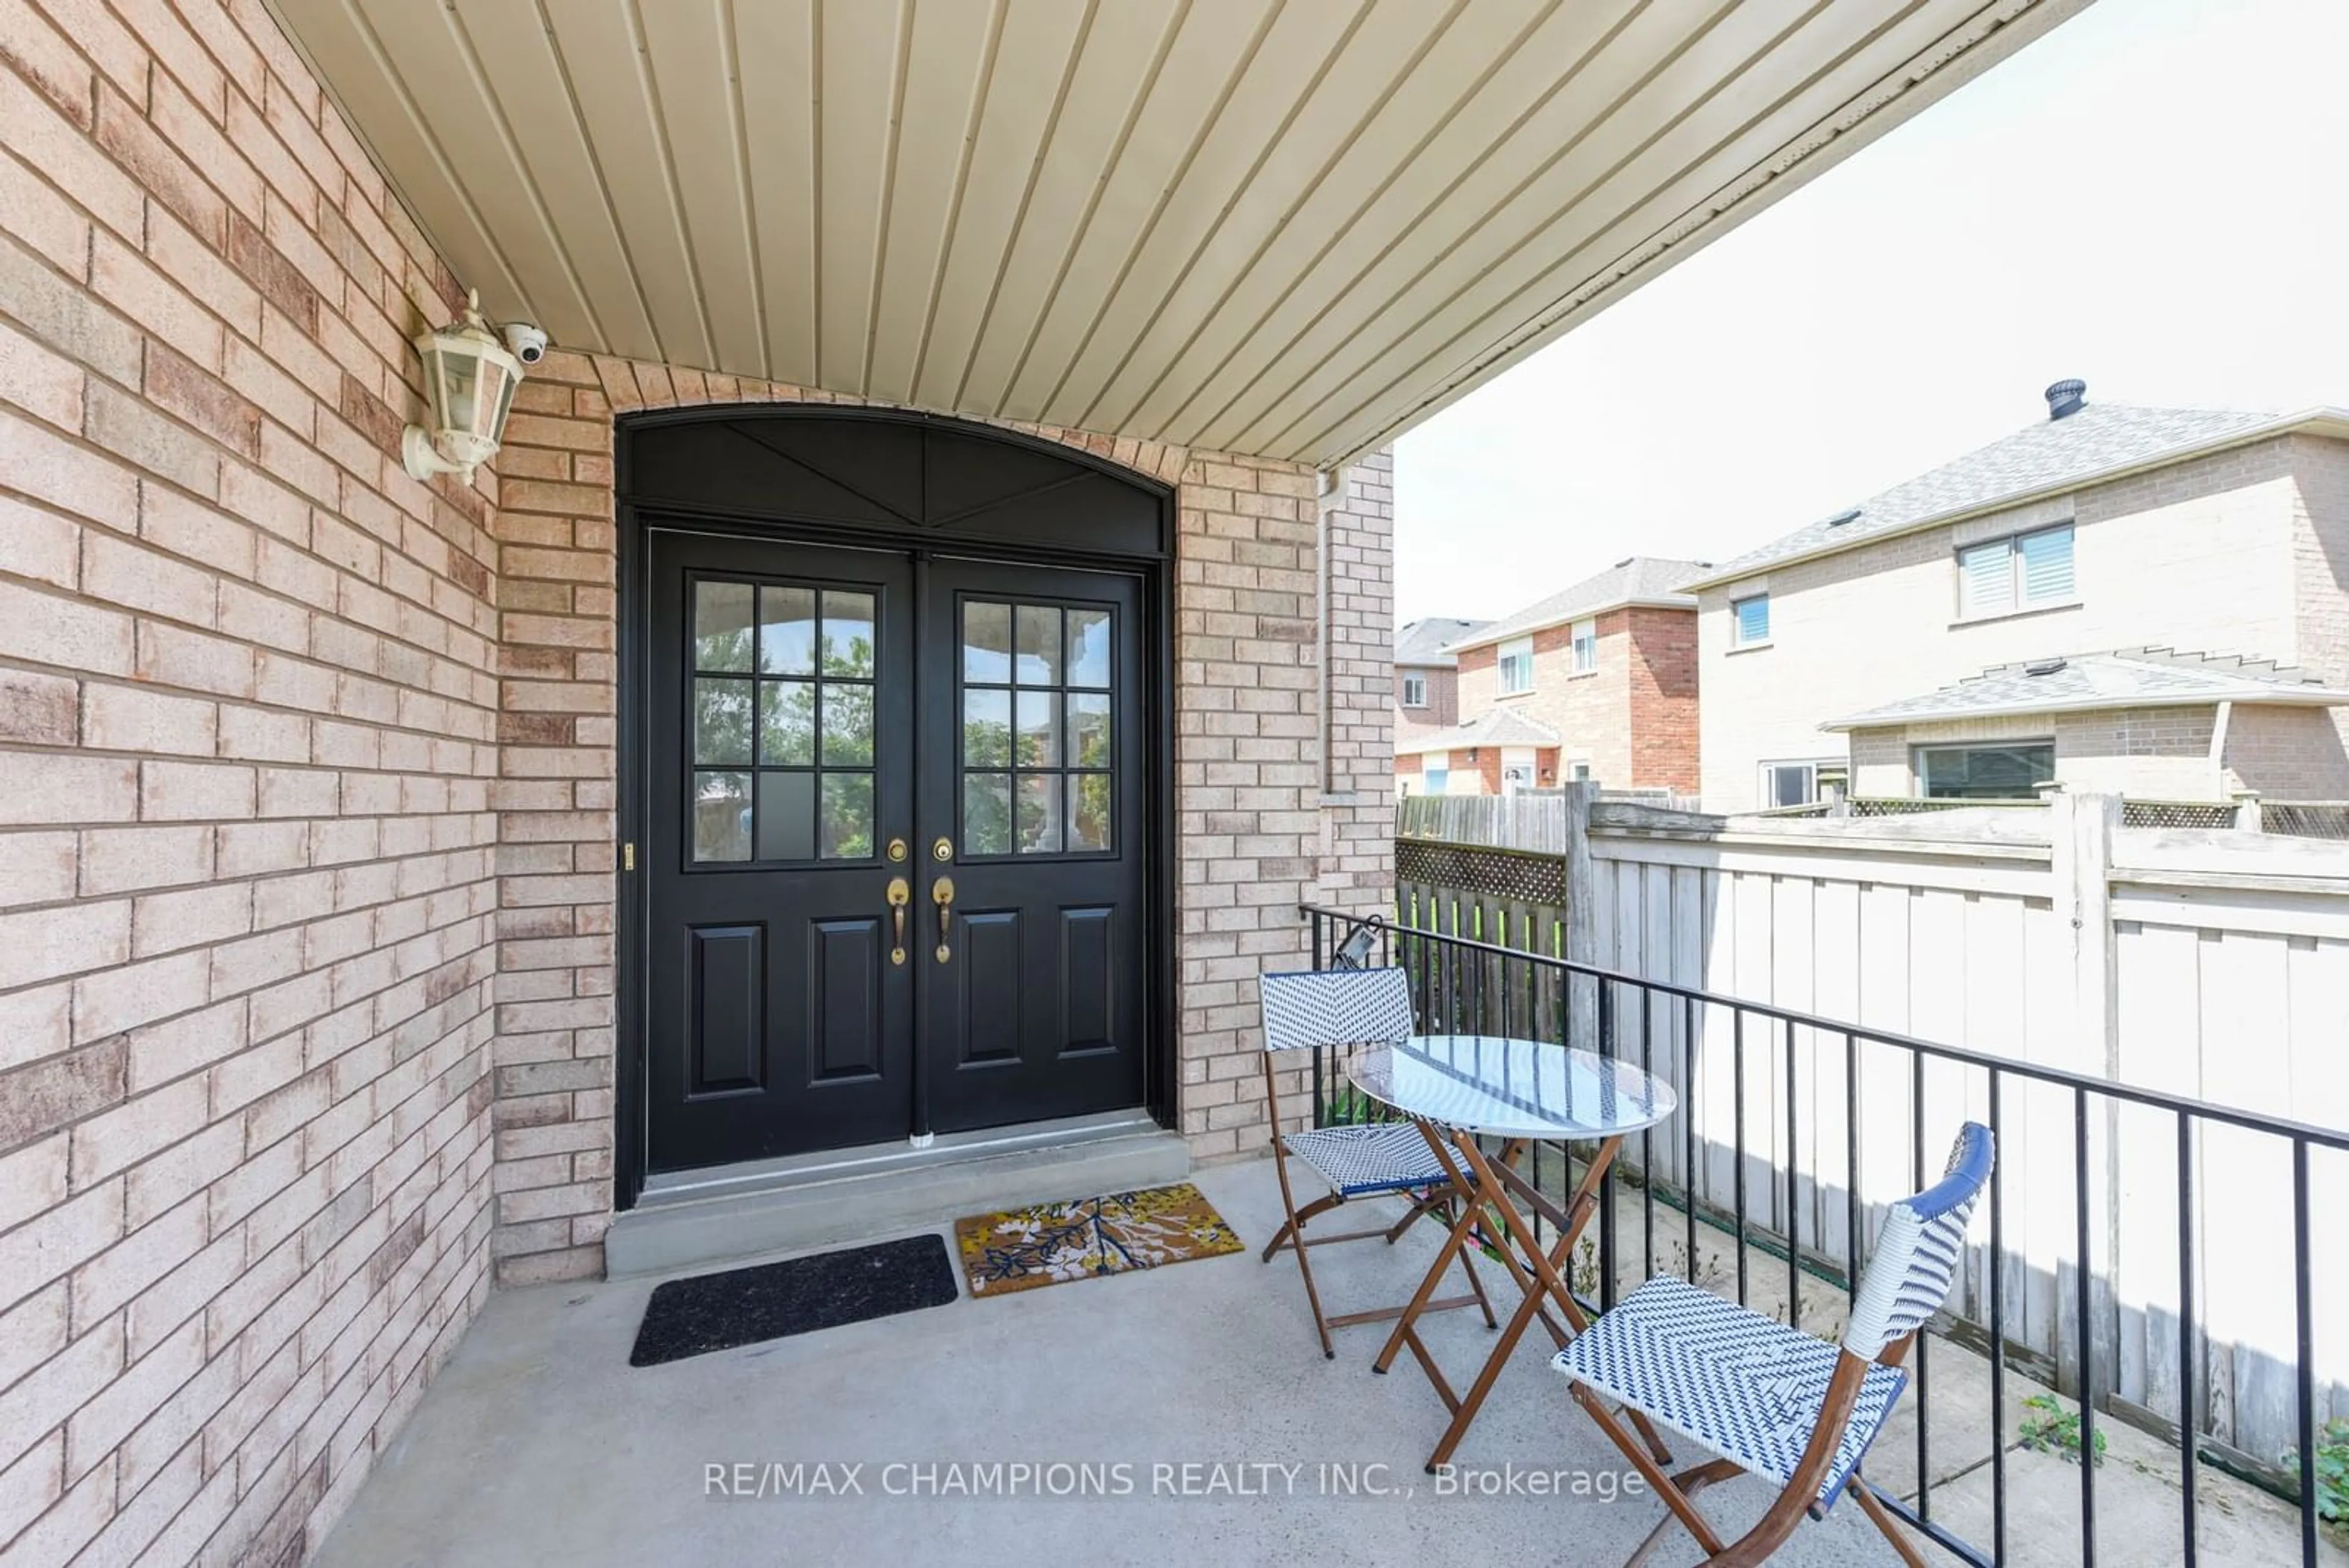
[(1287, 230)]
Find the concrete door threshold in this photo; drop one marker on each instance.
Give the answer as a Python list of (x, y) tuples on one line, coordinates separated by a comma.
[(687, 1220)]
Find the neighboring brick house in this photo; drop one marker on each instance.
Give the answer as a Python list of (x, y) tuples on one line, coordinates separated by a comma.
[(1608, 666), (2102, 527), (1426, 677)]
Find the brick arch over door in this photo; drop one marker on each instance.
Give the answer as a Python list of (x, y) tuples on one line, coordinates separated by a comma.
[(1283, 776)]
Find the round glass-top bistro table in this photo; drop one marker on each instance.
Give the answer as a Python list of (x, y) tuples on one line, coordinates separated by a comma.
[(1458, 1087)]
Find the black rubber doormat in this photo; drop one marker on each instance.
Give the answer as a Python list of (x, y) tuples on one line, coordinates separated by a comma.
[(770, 1301)]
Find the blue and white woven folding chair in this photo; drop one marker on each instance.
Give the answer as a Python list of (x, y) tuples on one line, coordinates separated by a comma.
[(1768, 1398), (1336, 1008)]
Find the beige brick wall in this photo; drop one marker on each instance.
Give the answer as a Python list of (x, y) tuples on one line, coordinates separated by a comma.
[(2321, 563), (1357, 869), (1282, 770), (246, 743), (2200, 555), (2287, 753)]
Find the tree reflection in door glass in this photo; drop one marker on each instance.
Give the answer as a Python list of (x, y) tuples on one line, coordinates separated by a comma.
[(1088, 811), (787, 723), (721, 722), (986, 729), (986, 813), (847, 817), (847, 633)]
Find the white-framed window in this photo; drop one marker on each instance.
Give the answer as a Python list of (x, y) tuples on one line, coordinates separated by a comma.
[(1586, 647), (1750, 621), (1517, 667), (1434, 772), (2016, 572), (1803, 782), (2008, 770), (1414, 690), (1579, 772)]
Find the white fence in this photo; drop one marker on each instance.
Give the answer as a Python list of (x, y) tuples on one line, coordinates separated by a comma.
[(2207, 963)]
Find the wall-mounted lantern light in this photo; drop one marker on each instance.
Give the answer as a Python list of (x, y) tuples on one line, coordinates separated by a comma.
[(469, 384)]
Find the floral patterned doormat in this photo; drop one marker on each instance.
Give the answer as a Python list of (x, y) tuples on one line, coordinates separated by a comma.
[(1022, 1249)]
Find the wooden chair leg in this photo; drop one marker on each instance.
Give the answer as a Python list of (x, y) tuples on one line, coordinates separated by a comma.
[(1881, 1517), (1654, 1474), (1304, 1264), (1690, 1481)]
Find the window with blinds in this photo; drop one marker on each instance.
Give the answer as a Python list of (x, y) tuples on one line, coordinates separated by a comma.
[(1751, 619), (1516, 669), (1586, 647), (2017, 573)]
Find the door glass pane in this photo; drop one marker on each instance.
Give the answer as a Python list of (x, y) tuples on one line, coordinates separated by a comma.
[(847, 726), (986, 729), (786, 816), (1038, 823), (721, 722), (787, 631), (721, 817), (1088, 647), (847, 633), (1088, 811), (847, 816), (721, 626), (1089, 729), (787, 723), (986, 813), (1039, 738), (986, 642), (1040, 646)]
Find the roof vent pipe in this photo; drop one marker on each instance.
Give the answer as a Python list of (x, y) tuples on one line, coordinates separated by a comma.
[(2065, 398)]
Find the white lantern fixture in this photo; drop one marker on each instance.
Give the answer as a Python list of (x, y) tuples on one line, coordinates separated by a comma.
[(469, 385)]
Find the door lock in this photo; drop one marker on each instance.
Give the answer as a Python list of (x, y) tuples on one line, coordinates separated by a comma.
[(900, 895), (941, 851), (897, 849), (942, 895)]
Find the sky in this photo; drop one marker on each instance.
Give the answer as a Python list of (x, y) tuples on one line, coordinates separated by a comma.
[(2153, 197)]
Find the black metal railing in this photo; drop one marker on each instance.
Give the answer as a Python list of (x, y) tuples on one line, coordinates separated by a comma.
[(1463, 983)]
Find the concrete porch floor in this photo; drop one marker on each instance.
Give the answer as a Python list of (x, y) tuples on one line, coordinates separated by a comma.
[(539, 1444)]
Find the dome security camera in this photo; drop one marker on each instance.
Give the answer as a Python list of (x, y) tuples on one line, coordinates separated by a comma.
[(528, 342)]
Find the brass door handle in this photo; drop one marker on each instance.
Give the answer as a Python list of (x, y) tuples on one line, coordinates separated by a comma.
[(942, 895), (900, 895)]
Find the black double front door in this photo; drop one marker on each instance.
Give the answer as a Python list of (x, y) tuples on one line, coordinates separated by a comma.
[(894, 838)]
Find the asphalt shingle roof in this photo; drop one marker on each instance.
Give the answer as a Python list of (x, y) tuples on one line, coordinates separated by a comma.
[(2130, 678), (1647, 579), (1500, 727), (1424, 641), (2097, 438)]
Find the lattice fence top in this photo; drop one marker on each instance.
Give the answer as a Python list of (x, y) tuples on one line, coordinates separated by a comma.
[(2177, 814), (2306, 818), (1514, 876)]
